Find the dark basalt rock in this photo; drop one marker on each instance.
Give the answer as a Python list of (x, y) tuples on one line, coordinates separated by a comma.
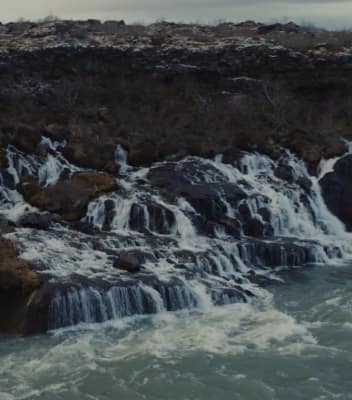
[(209, 201), (285, 172), (3, 159), (159, 219), (36, 220), (131, 261), (278, 252), (337, 190)]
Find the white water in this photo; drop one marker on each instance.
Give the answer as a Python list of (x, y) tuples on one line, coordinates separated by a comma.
[(293, 343), (183, 266)]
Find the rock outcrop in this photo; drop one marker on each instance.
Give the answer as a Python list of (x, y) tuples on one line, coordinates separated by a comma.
[(68, 198), (19, 289), (337, 190)]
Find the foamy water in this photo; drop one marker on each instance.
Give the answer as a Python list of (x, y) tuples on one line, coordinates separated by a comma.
[(291, 343)]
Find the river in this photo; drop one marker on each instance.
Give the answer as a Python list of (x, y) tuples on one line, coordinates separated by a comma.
[(292, 342)]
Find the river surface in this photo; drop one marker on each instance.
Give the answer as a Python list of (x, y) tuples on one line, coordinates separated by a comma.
[(293, 342)]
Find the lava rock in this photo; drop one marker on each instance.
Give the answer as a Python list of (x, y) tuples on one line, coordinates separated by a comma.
[(285, 172), (3, 159), (254, 227), (160, 219), (130, 261), (304, 182), (337, 190), (35, 220)]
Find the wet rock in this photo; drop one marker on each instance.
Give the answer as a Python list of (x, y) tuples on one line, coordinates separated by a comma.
[(151, 217), (337, 190), (304, 182), (6, 226), (36, 220), (285, 172), (130, 261), (265, 213), (254, 227), (18, 288), (277, 252), (68, 198), (109, 214), (233, 227)]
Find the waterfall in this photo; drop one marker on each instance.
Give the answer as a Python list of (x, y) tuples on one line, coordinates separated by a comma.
[(196, 233)]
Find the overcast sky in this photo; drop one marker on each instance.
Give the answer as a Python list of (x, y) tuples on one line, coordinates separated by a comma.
[(328, 13)]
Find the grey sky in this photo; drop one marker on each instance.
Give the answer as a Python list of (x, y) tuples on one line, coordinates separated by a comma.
[(328, 13)]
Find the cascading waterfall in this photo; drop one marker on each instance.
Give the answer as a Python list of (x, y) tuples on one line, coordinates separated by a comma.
[(198, 232)]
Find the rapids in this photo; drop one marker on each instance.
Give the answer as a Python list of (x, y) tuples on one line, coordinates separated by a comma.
[(291, 343), (201, 232)]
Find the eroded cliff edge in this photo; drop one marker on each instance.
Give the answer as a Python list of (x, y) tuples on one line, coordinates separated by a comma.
[(167, 90)]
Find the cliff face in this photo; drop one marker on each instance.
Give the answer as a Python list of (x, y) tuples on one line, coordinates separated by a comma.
[(167, 90)]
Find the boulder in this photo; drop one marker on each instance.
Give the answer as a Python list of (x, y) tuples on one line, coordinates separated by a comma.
[(337, 190), (18, 288), (36, 220), (69, 198), (130, 261), (285, 172)]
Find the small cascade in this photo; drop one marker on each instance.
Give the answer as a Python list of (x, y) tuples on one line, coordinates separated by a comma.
[(178, 235), (89, 304), (121, 159)]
